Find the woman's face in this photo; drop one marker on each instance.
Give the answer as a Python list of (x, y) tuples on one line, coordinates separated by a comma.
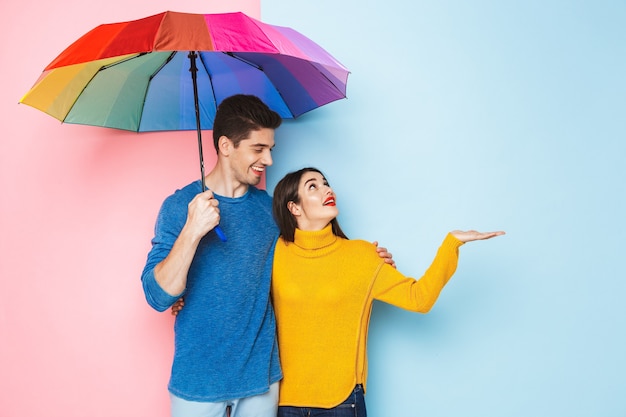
[(317, 205)]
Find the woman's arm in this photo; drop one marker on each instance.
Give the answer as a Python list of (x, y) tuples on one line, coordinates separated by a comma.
[(420, 295)]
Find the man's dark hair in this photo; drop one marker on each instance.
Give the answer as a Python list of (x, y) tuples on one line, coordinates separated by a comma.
[(239, 115)]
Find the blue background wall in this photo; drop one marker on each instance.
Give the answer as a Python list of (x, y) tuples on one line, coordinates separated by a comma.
[(487, 115)]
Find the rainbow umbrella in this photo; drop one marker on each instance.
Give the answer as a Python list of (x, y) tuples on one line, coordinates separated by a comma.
[(135, 75), (170, 71)]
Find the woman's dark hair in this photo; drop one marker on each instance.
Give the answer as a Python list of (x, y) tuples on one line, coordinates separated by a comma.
[(287, 190), (240, 114)]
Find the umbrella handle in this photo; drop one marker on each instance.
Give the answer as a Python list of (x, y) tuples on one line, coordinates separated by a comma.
[(218, 230), (220, 233)]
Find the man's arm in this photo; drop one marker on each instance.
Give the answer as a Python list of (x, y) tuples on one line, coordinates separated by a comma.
[(202, 216)]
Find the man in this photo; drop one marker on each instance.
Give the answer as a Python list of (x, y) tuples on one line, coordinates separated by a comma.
[(226, 354), (225, 345)]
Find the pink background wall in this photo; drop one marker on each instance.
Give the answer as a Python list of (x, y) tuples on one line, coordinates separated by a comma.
[(77, 209)]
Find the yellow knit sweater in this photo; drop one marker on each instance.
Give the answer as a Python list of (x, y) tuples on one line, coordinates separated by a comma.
[(323, 287)]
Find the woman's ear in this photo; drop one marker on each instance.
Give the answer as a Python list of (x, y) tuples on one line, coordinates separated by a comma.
[(293, 208)]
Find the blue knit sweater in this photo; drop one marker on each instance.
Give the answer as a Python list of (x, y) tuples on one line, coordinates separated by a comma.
[(225, 344)]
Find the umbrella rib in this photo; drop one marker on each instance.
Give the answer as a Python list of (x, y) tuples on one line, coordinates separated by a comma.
[(143, 102), (122, 61), (206, 68), (169, 58), (69, 110), (245, 61), (329, 80), (260, 68)]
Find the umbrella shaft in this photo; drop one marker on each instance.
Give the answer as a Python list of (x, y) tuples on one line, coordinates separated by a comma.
[(194, 70)]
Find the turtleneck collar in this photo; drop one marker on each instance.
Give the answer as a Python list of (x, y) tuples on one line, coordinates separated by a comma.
[(315, 243)]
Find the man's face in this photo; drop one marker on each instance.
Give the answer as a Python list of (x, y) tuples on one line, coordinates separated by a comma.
[(249, 160)]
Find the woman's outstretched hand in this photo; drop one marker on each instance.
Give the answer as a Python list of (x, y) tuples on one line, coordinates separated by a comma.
[(472, 235)]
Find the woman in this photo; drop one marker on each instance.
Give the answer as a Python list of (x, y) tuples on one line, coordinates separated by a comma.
[(323, 286)]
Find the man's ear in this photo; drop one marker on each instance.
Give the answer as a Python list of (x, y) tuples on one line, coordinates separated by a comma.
[(293, 208), (225, 145)]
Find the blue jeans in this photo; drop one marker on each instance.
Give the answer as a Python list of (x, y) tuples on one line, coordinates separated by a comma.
[(262, 405), (353, 406)]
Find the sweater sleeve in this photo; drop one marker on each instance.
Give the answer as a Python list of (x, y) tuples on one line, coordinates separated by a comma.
[(418, 295), (156, 297), (167, 228)]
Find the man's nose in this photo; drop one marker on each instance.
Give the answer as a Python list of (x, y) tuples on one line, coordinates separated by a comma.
[(267, 158)]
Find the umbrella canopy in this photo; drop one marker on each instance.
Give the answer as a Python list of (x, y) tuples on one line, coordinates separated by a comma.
[(170, 71), (136, 75)]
